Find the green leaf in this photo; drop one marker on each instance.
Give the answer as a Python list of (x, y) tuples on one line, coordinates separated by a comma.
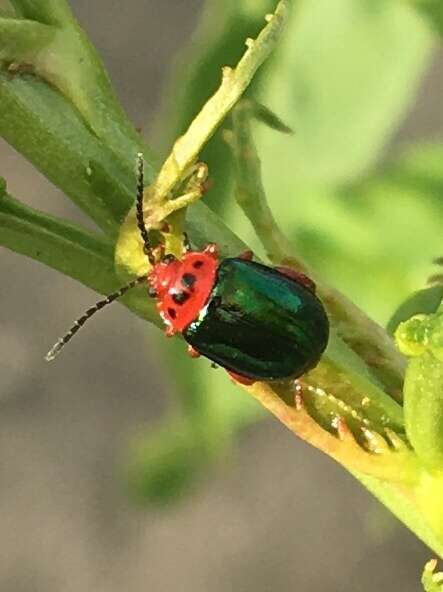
[(66, 247), (378, 260), (22, 39), (343, 78), (48, 131), (218, 41), (70, 63), (58, 244), (423, 409), (42, 125), (421, 338), (424, 301)]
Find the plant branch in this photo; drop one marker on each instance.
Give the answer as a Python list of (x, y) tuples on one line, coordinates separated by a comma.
[(49, 132), (234, 83), (186, 149), (359, 332), (66, 119), (398, 464), (249, 191), (67, 248)]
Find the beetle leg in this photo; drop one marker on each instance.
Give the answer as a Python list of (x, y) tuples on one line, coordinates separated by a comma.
[(170, 331), (193, 352), (246, 255), (194, 189), (183, 201), (298, 397), (300, 277), (241, 379)]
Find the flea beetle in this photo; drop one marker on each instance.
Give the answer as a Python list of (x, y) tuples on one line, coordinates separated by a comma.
[(256, 321)]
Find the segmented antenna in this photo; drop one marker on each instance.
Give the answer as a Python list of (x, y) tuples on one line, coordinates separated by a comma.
[(56, 349), (139, 210), (186, 243)]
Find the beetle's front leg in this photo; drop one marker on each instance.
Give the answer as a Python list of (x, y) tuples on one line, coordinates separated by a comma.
[(181, 202), (195, 188)]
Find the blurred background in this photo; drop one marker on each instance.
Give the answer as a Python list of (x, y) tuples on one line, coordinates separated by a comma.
[(118, 472)]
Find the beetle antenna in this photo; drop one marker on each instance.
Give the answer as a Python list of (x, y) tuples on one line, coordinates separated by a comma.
[(186, 243), (139, 210), (55, 350)]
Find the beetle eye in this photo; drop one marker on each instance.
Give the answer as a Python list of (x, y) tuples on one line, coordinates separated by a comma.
[(169, 258), (152, 292)]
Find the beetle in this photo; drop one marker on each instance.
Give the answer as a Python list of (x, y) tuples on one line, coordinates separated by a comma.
[(257, 322)]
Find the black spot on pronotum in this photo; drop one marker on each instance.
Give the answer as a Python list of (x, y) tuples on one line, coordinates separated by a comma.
[(172, 313), (180, 297), (198, 264), (188, 280)]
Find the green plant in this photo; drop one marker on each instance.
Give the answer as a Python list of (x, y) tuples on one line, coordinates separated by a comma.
[(432, 582), (56, 99)]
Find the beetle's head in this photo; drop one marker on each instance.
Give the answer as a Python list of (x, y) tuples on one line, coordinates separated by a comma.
[(183, 286)]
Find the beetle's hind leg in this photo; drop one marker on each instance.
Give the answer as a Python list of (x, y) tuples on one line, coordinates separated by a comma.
[(241, 379), (298, 276)]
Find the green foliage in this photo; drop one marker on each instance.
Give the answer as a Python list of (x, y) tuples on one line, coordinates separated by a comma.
[(335, 225), (424, 301), (343, 78), (350, 70)]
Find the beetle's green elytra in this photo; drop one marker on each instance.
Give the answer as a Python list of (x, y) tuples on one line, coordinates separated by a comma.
[(260, 323)]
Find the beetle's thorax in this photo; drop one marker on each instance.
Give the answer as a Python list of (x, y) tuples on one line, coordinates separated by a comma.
[(183, 286)]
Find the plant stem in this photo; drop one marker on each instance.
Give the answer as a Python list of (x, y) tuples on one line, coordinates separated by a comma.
[(44, 127), (234, 82), (249, 190), (359, 332), (129, 252), (86, 257)]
